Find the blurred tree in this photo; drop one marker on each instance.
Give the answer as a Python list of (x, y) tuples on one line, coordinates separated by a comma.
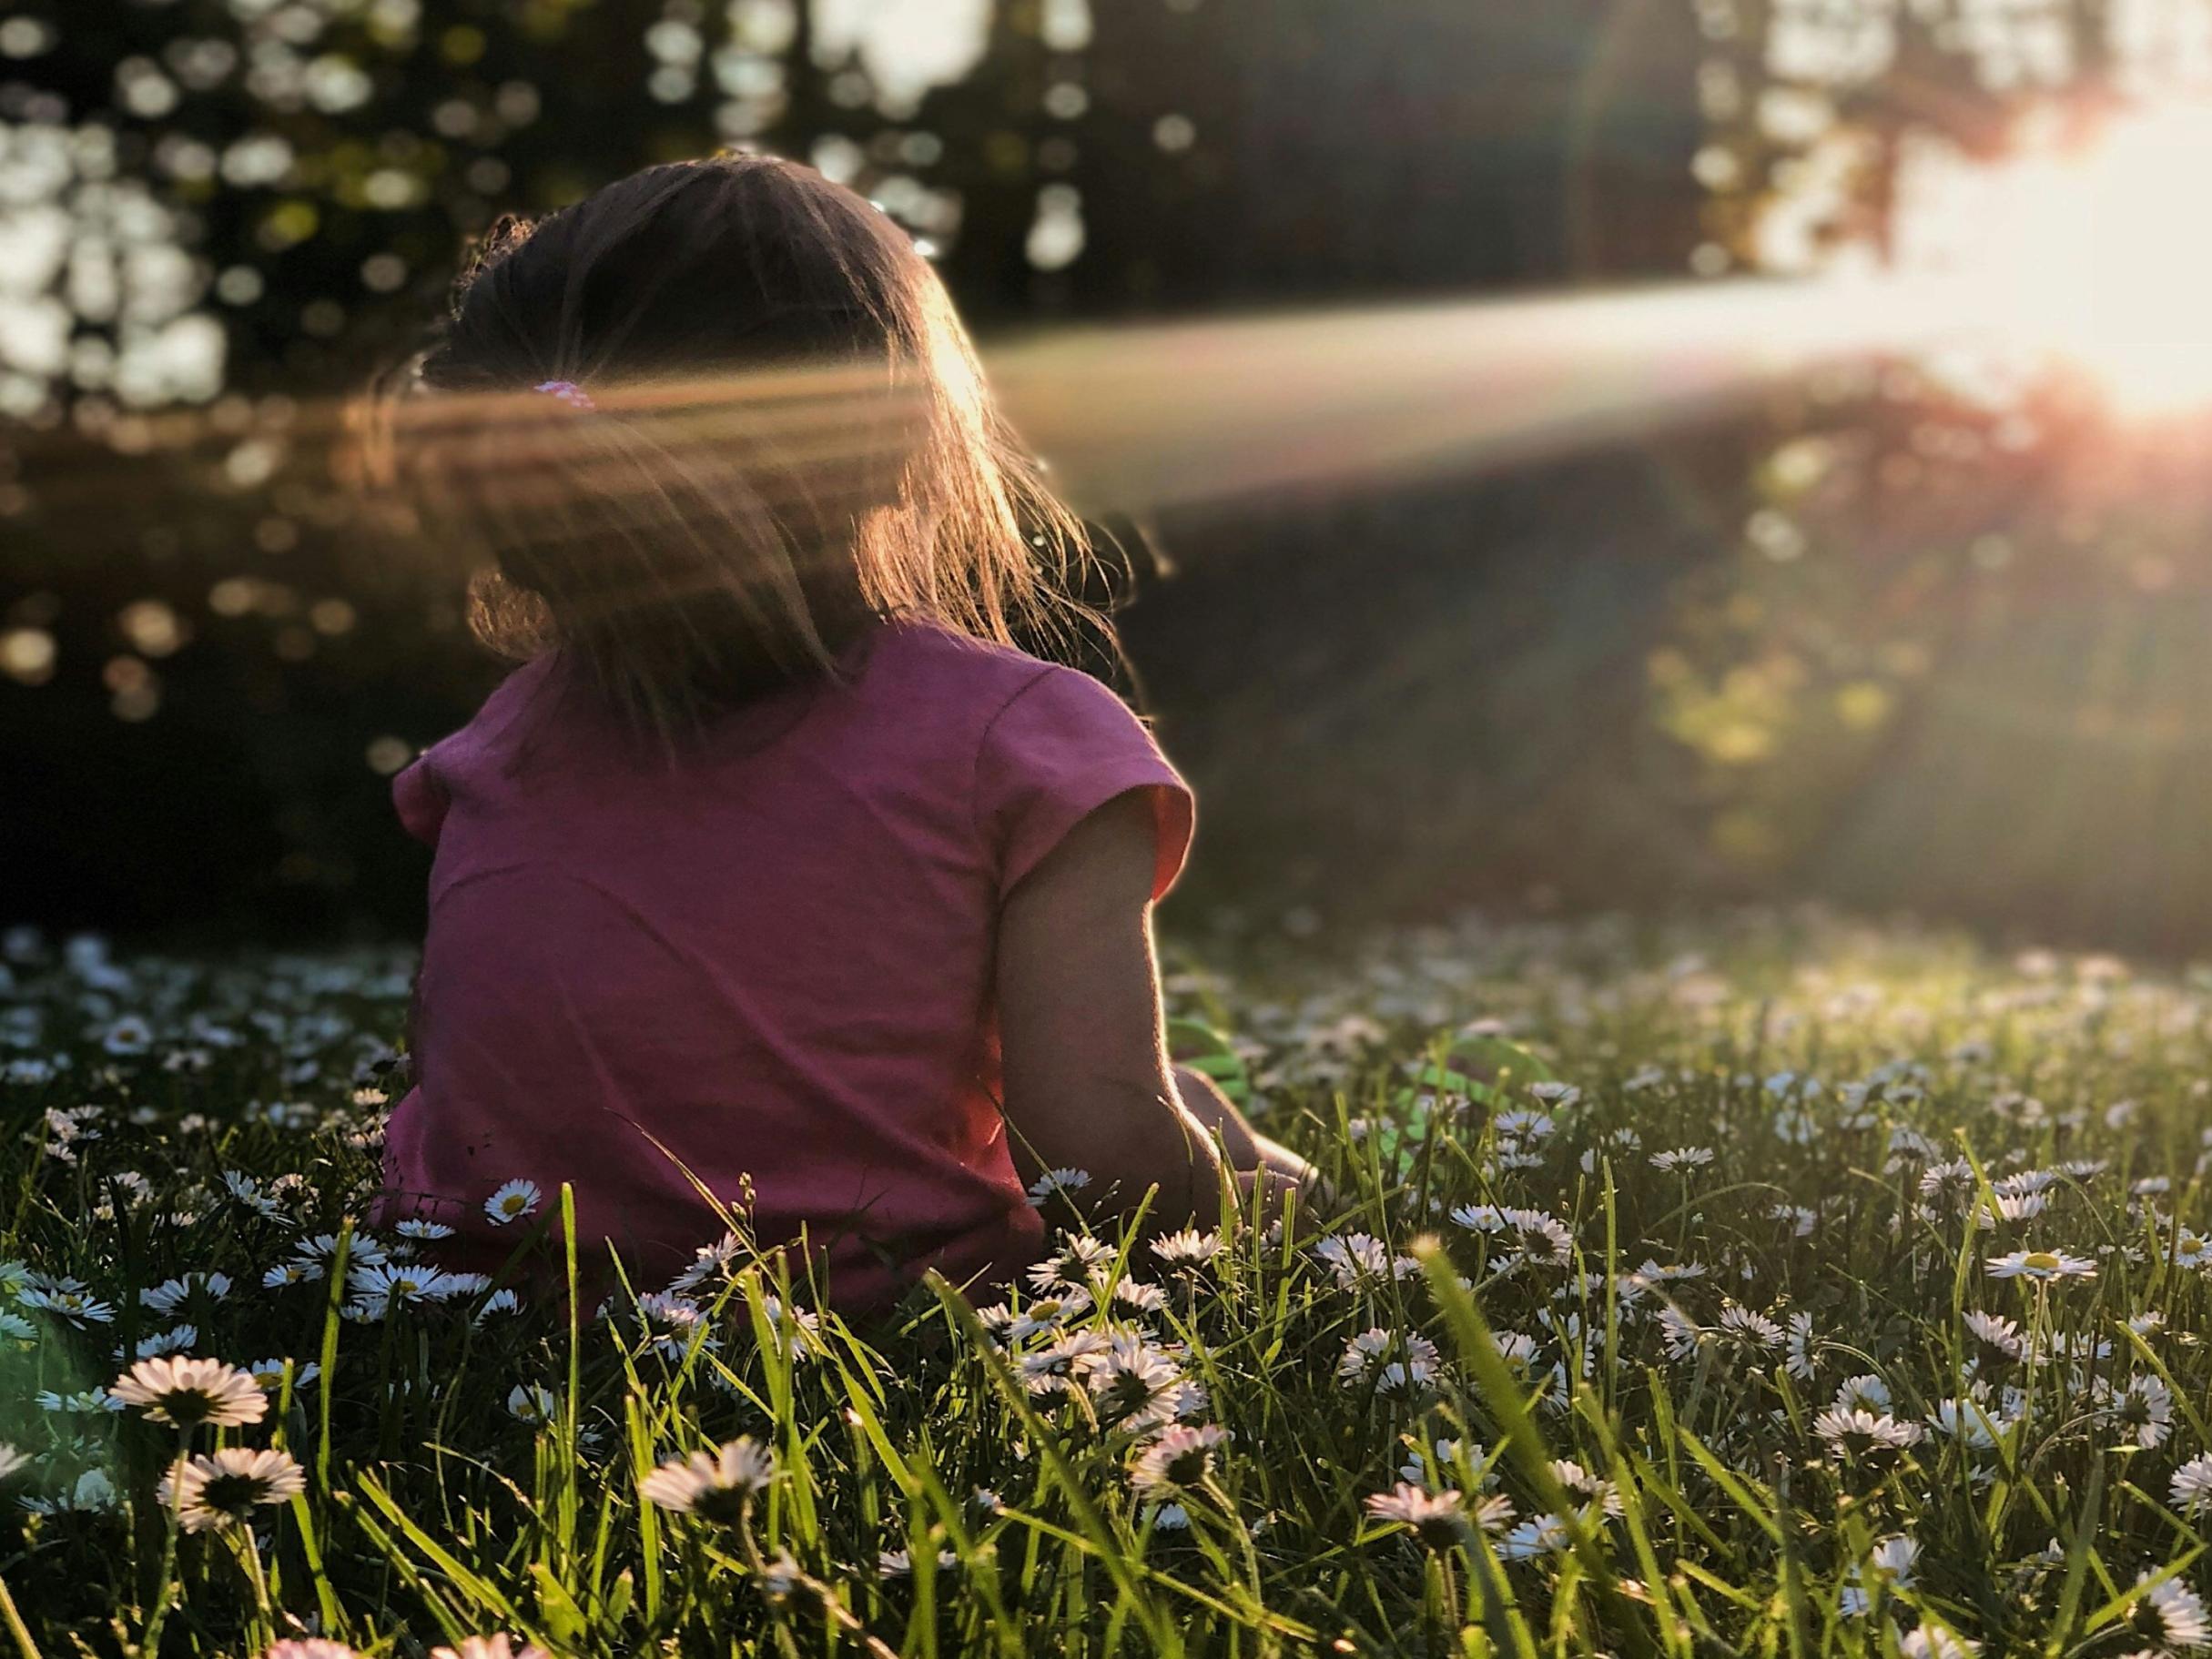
[(1926, 676), (276, 191)]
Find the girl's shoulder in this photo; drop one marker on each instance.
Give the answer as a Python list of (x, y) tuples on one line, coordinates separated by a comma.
[(919, 658), (428, 784), (939, 691), (499, 717), (920, 644), (930, 698), (1034, 747), (961, 680)]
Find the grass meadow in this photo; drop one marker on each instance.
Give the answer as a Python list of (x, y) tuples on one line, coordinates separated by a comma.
[(1778, 1288)]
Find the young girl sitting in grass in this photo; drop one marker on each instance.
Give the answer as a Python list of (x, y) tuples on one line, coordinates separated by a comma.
[(776, 878)]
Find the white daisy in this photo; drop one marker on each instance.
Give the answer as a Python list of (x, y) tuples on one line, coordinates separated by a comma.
[(1060, 1183), (2170, 1618), (672, 1323), (531, 1403), (1438, 1519), (93, 1493), (269, 1373), (248, 1192), (1364, 1359), (69, 1303), (2044, 1265), (1048, 1370), (1933, 1642), (716, 1487), (1132, 1381), (1950, 1180), (797, 1331), (2192, 1485), (1971, 1422), (402, 1282), (361, 1250), (1046, 1313), (780, 1575), (84, 1400), (1866, 1434), (513, 1201), (1866, 1393), (1187, 1401), (1799, 1357), (1078, 1261), (1411, 1375), (2000, 1333), (1750, 1328), (713, 1264), (893, 1563), (1892, 1562), (1538, 1237), (1139, 1297), (1680, 1335), (2011, 1207), (2144, 1410), (1357, 1258), (1178, 1456), (171, 1294), (1600, 1493), (188, 1392), (218, 1489), (1538, 1535), (1187, 1250), (1447, 1455)]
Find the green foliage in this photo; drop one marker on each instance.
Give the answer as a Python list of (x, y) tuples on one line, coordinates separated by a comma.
[(1832, 1295)]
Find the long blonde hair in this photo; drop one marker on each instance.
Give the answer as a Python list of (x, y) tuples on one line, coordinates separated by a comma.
[(710, 422)]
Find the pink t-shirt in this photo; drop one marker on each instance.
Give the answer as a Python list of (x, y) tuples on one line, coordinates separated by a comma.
[(773, 960)]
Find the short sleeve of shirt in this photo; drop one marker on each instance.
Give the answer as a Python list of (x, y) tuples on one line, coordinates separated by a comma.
[(419, 800), (1063, 747)]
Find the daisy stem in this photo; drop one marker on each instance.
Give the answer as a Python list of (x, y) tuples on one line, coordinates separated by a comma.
[(251, 1552), (1439, 1606), (1212, 1489), (836, 1612), (15, 1625), (149, 1646), (2036, 1325)]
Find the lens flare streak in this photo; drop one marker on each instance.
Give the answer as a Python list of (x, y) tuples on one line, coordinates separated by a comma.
[(1155, 415), (1149, 415)]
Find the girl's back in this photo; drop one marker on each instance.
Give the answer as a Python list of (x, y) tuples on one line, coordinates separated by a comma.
[(776, 871), (767, 965)]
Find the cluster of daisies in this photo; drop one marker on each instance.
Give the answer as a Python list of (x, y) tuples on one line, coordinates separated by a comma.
[(1889, 1248)]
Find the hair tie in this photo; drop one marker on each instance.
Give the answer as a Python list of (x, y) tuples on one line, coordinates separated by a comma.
[(568, 391)]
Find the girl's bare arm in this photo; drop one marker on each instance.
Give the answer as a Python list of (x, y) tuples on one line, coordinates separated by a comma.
[(1088, 1082)]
